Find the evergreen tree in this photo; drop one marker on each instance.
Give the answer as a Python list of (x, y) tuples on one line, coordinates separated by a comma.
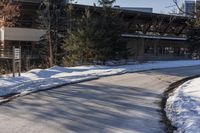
[(112, 46), (194, 41), (194, 33), (95, 37), (81, 40), (51, 15)]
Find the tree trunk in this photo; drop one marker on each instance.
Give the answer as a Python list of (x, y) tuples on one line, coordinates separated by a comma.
[(50, 51), (49, 37)]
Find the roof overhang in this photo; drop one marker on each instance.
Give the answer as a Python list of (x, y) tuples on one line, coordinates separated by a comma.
[(21, 34), (154, 37)]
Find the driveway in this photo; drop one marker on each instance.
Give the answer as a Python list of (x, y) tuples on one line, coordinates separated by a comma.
[(126, 103)]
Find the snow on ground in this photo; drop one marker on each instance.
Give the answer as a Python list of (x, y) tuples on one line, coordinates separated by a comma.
[(183, 107), (41, 79)]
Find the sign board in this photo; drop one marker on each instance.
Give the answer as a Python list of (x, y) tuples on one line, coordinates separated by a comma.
[(16, 60), (17, 53)]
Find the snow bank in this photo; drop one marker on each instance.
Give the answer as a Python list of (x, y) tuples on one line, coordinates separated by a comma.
[(39, 79), (183, 107)]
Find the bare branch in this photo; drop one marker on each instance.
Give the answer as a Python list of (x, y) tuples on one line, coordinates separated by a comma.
[(8, 13), (182, 10)]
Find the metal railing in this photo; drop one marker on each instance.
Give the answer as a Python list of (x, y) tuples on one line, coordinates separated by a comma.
[(31, 1), (6, 54)]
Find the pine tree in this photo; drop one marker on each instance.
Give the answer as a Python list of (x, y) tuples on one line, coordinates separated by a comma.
[(95, 38), (81, 40), (194, 34), (51, 14), (113, 46)]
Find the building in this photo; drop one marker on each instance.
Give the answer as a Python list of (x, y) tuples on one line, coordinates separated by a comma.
[(190, 7), (150, 36), (26, 31), (140, 9)]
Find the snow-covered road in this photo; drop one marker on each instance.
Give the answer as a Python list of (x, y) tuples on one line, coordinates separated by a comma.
[(39, 79), (120, 104)]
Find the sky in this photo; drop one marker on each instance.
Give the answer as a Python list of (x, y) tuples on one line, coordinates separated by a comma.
[(159, 6)]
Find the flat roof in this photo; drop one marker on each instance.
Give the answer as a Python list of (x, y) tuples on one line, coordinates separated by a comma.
[(133, 13), (154, 37)]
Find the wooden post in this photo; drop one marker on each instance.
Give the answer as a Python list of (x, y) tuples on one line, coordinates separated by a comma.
[(20, 65), (13, 61)]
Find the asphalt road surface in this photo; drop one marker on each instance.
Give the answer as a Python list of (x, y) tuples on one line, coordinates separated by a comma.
[(119, 104)]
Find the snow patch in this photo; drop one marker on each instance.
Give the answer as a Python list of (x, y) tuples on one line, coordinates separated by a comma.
[(41, 79), (183, 107)]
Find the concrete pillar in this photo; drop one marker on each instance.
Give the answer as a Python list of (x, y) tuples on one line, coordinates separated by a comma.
[(141, 48), (2, 46), (155, 44)]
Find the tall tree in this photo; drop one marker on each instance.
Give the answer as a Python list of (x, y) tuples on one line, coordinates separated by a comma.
[(194, 33), (112, 45), (95, 37), (51, 15), (81, 39)]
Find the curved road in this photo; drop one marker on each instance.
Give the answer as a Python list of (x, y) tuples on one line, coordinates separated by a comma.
[(119, 104)]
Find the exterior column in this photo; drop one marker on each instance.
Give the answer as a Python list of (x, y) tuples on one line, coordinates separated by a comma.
[(155, 47), (140, 45), (2, 46)]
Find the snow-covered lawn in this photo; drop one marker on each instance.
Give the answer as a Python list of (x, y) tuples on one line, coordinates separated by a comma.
[(39, 79), (183, 107)]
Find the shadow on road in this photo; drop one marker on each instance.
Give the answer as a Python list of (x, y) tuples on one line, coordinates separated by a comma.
[(179, 72), (126, 103), (88, 108)]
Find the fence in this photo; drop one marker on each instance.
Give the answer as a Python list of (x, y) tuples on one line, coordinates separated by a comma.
[(10, 60)]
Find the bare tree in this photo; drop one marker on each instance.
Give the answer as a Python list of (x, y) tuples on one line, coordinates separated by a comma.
[(181, 9), (8, 13)]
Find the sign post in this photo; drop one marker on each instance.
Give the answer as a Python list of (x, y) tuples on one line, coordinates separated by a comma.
[(16, 60)]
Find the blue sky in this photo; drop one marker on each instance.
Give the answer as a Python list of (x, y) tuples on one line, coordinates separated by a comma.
[(158, 5)]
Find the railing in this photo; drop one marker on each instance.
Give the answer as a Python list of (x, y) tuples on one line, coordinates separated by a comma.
[(6, 54), (31, 1)]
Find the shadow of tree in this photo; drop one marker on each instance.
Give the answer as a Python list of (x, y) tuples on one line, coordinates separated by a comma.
[(180, 71), (90, 108), (94, 106)]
